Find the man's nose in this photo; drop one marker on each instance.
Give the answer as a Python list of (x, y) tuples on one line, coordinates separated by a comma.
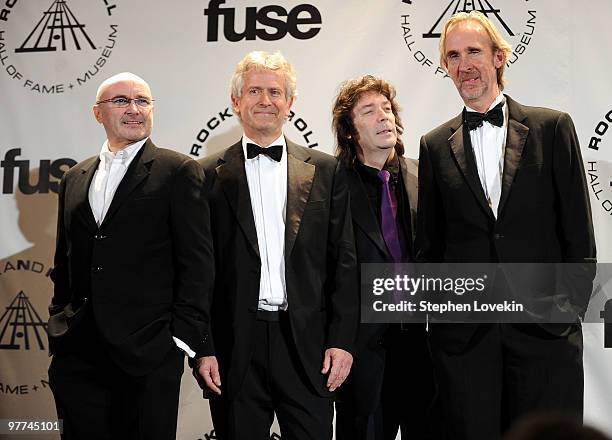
[(264, 98), (465, 64), (132, 107)]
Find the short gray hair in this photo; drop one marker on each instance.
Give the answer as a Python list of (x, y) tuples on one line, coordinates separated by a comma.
[(260, 60)]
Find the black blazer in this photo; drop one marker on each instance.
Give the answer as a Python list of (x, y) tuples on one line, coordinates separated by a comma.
[(147, 271), (320, 266), (365, 382), (544, 212), (369, 242)]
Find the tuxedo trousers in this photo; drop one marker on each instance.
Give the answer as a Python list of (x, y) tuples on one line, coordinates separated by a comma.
[(275, 383), (406, 391), (96, 400), (507, 371)]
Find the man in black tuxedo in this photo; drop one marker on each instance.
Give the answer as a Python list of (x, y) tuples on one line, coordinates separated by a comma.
[(499, 183), (284, 308), (391, 381), (133, 270)]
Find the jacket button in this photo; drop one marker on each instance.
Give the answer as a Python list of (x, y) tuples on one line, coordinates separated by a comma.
[(498, 236), (96, 269), (99, 236)]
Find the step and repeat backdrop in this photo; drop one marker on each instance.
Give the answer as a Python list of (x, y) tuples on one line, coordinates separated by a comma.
[(54, 54)]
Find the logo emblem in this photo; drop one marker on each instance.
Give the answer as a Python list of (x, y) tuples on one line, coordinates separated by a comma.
[(421, 29), (75, 37), (220, 123), (268, 23), (598, 160), (56, 26), (466, 6), (49, 173), (21, 326)]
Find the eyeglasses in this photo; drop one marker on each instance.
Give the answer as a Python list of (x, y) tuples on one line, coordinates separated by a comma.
[(124, 101)]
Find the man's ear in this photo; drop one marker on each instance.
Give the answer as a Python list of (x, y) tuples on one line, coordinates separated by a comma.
[(96, 112), (235, 104), (290, 104), (499, 58)]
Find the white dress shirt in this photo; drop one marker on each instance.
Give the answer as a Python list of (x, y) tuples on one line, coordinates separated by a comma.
[(489, 144), (108, 176), (106, 180), (267, 181)]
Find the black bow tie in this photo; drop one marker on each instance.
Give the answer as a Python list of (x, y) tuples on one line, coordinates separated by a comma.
[(274, 152), (495, 116)]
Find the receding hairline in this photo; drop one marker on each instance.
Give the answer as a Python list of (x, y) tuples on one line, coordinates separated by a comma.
[(472, 23), (123, 76)]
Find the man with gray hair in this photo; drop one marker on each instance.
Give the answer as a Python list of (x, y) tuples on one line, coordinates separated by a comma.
[(285, 304), (504, 183), (132, 272)]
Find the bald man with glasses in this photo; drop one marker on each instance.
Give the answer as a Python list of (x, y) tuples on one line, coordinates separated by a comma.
[(132, 272)]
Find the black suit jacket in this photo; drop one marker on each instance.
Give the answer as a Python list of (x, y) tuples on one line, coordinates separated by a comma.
[(320, 263), (544, 212), (369, 242), (365, 382), (147, 271)]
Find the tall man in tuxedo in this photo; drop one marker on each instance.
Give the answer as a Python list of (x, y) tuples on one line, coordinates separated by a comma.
[(284, 309), (132, 273), (503, 182), (391, 383)]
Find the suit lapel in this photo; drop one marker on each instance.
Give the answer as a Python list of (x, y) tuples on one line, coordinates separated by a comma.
[(300, 176), (515, 142), (232, 178), (138, 171), (363, 213), (81, 192), (411, 186), (464, 158)]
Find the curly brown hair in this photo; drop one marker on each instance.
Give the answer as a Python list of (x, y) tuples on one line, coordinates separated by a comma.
[(347, 138)]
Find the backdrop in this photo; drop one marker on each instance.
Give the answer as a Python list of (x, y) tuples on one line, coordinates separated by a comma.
[(54, 54)]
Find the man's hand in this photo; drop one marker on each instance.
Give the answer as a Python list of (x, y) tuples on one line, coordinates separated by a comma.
[(338, 363), (208, 369)]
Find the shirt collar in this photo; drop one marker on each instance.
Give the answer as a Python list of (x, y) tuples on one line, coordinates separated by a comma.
[(124, 155), (279, 141), (391, 165)]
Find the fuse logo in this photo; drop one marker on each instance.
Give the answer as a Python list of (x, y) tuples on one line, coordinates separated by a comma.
[(268, 23), (47, 170)]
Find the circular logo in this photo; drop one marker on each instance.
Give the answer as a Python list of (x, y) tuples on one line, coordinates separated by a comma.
[(599, 168), (421, 24), (25, 293), (223, 128), (53, 46)]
